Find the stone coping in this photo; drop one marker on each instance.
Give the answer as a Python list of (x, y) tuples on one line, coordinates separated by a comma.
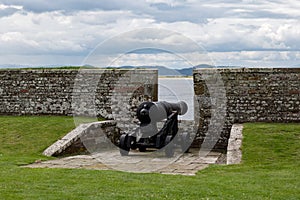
[(63, 143), (234, 152)]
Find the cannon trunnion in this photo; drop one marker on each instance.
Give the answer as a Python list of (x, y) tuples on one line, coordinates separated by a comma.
[(147, 134)]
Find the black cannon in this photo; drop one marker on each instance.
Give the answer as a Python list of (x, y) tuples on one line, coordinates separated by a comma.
[(147, 134)]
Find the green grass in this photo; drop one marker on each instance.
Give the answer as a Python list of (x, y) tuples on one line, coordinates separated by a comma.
[(270, 168)]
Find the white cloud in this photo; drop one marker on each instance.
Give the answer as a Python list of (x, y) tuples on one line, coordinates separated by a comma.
[(257, 58), (248, 30), (3, 7)]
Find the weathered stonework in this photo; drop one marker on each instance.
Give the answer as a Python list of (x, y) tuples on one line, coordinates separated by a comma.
[(252, 95), (86, 138), (81, 92), (234, 151)]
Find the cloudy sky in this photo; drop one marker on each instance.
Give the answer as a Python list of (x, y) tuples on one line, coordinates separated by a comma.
[(248, 33)]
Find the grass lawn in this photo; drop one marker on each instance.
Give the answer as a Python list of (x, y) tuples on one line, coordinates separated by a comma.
[(270, 168)]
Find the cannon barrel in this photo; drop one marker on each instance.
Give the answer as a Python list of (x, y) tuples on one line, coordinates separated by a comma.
[(152, 112), (147, 135)]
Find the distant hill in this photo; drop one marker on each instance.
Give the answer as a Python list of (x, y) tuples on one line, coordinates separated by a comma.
[(186, 71), (162, 71), (204, 66)]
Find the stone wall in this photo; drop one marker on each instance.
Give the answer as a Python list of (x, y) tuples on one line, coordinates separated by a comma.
[(80, 92), (244, 95), (86, 138)]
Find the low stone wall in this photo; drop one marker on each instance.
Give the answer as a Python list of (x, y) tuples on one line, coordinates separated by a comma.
[(187, 126), (86, 138), (234, 151), (91, 92), (227, 96)]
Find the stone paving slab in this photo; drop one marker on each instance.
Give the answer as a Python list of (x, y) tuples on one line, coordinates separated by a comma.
[(184, 164)]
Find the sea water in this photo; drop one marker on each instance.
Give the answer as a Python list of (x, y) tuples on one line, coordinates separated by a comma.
[(177, 89)]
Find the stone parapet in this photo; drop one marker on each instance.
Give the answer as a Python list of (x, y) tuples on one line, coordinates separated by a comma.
[(89, 92), (251, 95), (85, 138)]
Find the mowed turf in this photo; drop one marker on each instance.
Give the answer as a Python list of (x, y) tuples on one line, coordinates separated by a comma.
[(270, 168)]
